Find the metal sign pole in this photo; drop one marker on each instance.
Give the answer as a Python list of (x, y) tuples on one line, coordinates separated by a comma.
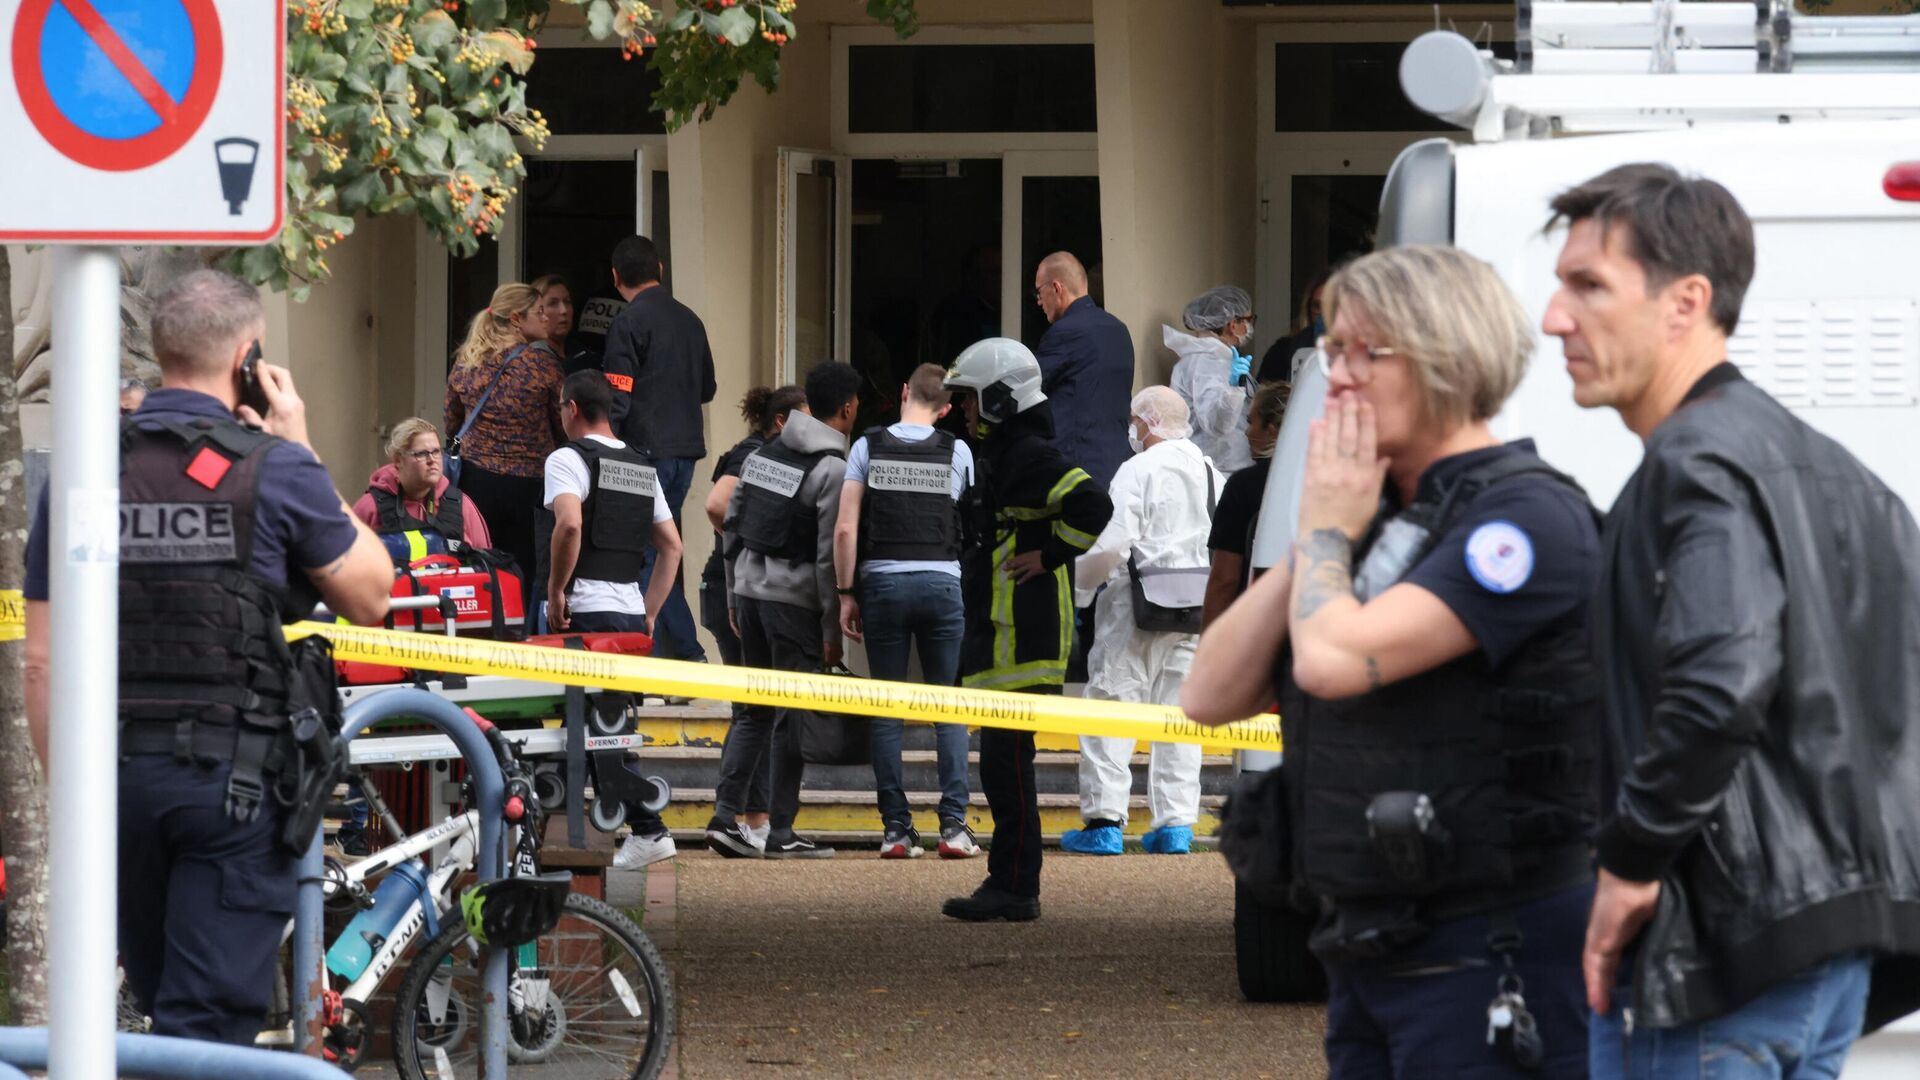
[(83, 790)]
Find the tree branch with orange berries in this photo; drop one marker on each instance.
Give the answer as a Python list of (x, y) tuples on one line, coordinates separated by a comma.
[(419, 106)]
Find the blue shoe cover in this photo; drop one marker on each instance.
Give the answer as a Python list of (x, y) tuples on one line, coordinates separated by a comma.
[(1102, 840), (1168, 840)]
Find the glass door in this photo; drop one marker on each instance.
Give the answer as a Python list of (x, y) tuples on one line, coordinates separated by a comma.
[(1050, 201), (1318, 209), (814, 231)]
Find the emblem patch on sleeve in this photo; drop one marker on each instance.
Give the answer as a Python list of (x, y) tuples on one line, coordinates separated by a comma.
[(1500, 556)]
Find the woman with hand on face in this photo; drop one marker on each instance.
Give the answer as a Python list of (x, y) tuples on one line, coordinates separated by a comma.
[(1439, 706)]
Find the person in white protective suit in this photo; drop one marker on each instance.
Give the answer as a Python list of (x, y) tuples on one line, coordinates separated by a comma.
[(1213, 376), (1152, 560)]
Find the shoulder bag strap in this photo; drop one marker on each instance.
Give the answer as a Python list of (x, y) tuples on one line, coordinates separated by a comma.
[(513, 357)]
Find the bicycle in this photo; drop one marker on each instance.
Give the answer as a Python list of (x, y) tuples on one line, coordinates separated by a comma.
[(568, 990)]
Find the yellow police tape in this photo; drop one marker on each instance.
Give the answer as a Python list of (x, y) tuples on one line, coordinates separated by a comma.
[(1051, 714), (13, 615)]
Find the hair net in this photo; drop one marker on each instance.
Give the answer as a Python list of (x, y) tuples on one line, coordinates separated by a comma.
[(1164, 412), (1215, 308)]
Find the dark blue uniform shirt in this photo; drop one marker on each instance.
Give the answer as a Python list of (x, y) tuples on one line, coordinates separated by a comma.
[(1523, 557), (299, 522)]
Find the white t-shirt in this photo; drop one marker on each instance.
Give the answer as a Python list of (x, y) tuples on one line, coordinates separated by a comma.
[(567, 475)]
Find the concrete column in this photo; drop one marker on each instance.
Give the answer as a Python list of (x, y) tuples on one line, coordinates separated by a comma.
[(1175, 86), (723, 175)]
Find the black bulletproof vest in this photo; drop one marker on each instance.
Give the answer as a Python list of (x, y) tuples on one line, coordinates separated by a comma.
[(200, 634), (616, 518), (390, 511), (1507, 755), (772, 520), (908, 512)]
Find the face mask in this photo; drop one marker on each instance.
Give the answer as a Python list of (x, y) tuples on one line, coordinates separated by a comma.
[(1133, 439), (1319, 327)]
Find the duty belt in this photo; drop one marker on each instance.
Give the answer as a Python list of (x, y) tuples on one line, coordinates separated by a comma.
[(186, 739)]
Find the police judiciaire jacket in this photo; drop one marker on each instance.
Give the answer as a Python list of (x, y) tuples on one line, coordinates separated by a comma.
[(1034, 499), (807, 580), (660, 367), (1757, 627)]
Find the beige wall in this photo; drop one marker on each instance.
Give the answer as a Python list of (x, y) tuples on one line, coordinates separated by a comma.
[(1176, 161), (350, 348), (725, 184)]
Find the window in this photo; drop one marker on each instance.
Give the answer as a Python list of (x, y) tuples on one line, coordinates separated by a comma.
[(970, 88), (592, 91), (1347, 86)]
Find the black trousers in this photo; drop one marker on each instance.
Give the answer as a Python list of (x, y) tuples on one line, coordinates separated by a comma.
[(511, 505), (784, 637), (613, 703), (733, 754), (203, 901), (1006, 775)]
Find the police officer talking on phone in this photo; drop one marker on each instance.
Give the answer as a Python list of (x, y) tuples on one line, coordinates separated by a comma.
[(229, 526), (1440, 711)]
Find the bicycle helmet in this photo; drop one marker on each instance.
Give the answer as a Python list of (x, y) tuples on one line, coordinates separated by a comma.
[(514, 911)]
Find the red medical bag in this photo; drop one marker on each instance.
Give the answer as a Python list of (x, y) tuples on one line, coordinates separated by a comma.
[(486, 597)]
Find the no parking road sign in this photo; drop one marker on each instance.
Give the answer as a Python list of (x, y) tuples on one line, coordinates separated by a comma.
[(142, 121)]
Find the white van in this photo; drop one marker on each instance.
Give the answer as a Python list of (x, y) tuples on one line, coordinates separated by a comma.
[(1813, 124)]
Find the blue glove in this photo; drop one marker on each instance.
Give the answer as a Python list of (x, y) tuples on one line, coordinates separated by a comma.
[(1242, 366)]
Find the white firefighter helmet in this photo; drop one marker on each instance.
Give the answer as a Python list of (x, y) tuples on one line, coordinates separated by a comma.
[(1002, 373)]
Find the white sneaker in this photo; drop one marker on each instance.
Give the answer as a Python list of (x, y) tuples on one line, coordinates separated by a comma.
[(759, 835), (638, 851)]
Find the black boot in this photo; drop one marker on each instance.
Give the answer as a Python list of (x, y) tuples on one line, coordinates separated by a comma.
[(988, 903)]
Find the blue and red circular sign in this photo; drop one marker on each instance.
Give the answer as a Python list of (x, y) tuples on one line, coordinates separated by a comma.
[(117, 85)]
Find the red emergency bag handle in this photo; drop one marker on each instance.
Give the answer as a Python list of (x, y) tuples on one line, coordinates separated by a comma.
[(434, 560)]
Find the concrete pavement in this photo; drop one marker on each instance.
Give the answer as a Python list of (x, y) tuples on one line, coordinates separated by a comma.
[(846, 968)]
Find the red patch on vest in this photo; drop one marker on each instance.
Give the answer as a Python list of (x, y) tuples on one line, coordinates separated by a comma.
[(208, 468), (622, 383)]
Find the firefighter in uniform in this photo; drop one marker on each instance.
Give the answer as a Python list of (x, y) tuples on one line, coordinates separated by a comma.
[(1440, 709), (1036, 513), (601, 507), (226, 532)]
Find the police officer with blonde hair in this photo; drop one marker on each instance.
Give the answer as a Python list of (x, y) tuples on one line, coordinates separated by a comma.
[(1439, 707)]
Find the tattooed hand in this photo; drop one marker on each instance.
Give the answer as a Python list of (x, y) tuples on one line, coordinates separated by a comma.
[(1344, 474)]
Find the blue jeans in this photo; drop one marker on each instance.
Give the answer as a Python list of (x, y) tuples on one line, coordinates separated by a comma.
[(1800, 1029), (1421, 1012), (899, 610), (674, 635)]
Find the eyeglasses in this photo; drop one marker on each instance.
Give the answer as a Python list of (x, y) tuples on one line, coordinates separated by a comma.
[(1358, 355), (1041, 289), (424, 457)]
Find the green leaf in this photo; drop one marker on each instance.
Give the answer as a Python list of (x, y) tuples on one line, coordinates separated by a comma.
[(327, 66), (355, 10), (683, 19), (486, 14), (434, 31), (737, 27), (432, 147), (362, 190)]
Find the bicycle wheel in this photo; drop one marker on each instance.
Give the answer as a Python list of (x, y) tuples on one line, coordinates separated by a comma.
[(589, 1000)]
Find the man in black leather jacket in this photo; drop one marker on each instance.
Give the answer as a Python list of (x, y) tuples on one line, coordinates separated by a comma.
[(1756, 627)]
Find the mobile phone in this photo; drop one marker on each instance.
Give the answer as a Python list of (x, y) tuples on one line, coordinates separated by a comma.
[(250, 393)]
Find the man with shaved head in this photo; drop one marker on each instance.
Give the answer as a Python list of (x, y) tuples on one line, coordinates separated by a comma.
[(1086, 368)]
